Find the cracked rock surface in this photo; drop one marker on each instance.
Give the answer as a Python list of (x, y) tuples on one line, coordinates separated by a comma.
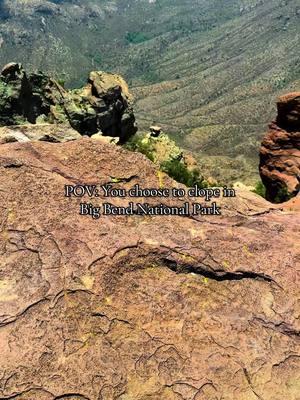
[(140, 308)]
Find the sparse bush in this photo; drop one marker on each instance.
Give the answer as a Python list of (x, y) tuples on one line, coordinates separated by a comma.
[(175, 168), (282, 195), (136, 37), (260, 189), (152, 77), (98, 59), (178, 171), (61, 82), (139, 144)]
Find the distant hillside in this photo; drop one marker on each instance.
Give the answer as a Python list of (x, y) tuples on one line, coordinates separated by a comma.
[(74, 36), (227, 82), (207, 70)]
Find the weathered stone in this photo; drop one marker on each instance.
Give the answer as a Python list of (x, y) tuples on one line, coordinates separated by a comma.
[(104, 85), (103, 104), (11, 71), (14, 95), (289, 112), (105, 139), (40, 132), (155, 130), (280, 151), (136, 307)]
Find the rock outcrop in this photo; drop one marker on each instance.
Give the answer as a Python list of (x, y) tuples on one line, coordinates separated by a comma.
[(102, 105), (280, 151), (164, 152), (160, 149), (136, 308)]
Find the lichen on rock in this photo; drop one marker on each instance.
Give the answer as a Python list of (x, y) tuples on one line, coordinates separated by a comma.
[(103, 105)]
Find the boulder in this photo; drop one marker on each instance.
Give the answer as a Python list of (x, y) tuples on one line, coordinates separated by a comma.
[(155, 130), (14, 95), (11, 71), (105, 139), (139, 307), (289, 112), (102, 105), (280, 151)]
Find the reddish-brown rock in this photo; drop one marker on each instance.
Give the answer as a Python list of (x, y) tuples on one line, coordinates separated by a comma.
[(280, 151), (140, 308)]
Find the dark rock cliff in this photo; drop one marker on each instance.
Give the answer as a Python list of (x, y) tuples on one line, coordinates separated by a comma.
[(102, 105)]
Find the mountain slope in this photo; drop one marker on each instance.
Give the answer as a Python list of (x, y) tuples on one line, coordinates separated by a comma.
[(228, 81), (207, 71)]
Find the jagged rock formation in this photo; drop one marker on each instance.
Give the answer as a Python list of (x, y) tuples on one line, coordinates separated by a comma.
[(102, 105), (280, 151), (136, 308)]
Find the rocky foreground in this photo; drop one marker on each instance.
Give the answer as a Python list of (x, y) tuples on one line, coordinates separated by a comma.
[(140, 308)]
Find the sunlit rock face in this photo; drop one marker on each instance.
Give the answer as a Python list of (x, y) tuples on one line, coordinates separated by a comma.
[(140, 307)]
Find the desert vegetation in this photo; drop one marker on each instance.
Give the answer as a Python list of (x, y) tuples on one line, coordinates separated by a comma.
[(209, 75)]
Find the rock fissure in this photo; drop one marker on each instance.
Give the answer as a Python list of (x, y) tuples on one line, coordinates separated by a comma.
[(11, 319), (281, 327), (71, 396), (118, 314), (217, 275), (25, 392), (247, 375)]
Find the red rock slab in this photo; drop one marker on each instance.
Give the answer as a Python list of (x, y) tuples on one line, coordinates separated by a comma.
[(139, 307)]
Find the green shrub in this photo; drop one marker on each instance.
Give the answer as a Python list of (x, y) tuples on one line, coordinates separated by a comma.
[(136, 37), (174, 168), (61, 82), (180, 173), (139, 144), (282, 195), (152, 77), (260, 189), (98, 59)]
